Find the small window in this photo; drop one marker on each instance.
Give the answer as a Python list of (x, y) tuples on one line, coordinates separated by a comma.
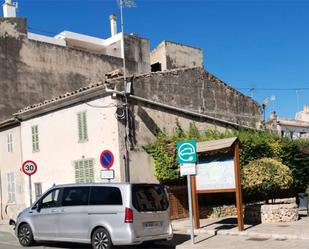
[(149, 198), (84, 171), (156, 67), (75, 196), (51, 199), (35, 138), (82, 127), (105, 196), (11, 187), (38, 190), (10, 142)]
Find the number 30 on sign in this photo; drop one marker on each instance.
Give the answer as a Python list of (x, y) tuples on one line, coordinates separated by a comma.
[(29, 167)]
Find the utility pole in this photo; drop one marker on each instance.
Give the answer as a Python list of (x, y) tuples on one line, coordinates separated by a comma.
[(265, 103), (128, 3)]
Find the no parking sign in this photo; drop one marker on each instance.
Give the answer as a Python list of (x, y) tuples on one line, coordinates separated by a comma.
[(107, 159)]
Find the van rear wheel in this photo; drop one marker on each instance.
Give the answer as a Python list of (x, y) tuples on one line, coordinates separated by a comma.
[(25, 235), (101, 239)]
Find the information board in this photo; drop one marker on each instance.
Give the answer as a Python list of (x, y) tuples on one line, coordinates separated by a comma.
[(216, 173)]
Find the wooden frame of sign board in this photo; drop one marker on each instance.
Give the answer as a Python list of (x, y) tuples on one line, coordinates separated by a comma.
[(230, 147)]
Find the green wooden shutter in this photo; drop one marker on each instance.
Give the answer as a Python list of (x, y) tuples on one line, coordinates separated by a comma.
[(91, 171), (85, 132), (33, 138), (84, 171), (37, 138), (80, 129), (77, 172)]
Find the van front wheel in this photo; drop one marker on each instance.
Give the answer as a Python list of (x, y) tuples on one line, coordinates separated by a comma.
[(25, 235), (101, 239)]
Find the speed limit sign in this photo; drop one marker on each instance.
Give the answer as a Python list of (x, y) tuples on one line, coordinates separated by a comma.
[(29, 167)]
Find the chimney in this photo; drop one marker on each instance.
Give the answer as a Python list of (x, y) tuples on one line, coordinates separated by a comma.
[(273, 116), (306, 108), (9, 8), (113, 21)]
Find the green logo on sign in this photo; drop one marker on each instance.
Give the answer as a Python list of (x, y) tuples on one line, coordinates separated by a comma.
[(186, 152)]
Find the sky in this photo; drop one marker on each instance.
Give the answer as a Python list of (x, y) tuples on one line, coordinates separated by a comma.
[(259, 47)]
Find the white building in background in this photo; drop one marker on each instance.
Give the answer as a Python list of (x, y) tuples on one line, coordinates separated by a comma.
[(291, 128), (303, 115), (64, 137)]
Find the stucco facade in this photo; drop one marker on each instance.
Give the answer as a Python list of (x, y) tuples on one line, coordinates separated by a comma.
[(58, 149), (59, 145), (12, 189)]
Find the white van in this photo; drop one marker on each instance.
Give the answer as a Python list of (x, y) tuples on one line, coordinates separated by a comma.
[(101, 214)]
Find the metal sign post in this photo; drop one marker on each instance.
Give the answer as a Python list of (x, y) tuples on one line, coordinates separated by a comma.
[(29, 168), (190, 207), (186, 157), (30, 190)]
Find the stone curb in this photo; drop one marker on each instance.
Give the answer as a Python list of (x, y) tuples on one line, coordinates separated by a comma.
[(252, 234), (4, 222)]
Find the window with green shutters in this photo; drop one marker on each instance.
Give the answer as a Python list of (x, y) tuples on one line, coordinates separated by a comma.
[(35, 138), (11, 187), (82, 127), (84, 171), (10, 142)]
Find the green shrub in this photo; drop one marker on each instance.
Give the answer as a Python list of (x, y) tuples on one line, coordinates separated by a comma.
[(254, 145), (296, 156), (266, 177)]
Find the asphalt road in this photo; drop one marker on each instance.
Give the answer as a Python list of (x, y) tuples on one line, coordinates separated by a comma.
[(181, 241)]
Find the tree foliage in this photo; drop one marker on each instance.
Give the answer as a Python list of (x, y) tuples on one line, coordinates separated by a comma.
[(266, 177), (254, 145)]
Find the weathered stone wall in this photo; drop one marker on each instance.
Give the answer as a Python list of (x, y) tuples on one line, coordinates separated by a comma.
[(178, 56), (173, 55), (196, 90), (158, 55), (188, 89), (148, 119), (285, 210), (32, 71), (138, 49)]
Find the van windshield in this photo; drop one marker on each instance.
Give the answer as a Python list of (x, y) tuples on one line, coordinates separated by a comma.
[(149, 198)]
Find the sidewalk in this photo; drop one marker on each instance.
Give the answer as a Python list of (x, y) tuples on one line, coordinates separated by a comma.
[(228, 226)]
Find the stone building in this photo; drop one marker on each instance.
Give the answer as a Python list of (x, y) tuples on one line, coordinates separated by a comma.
[(58, 73), (156, 102), (186, 95), (36, 67), (170, 55)]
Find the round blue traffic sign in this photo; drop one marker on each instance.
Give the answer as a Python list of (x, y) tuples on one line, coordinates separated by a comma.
[(107, 159)]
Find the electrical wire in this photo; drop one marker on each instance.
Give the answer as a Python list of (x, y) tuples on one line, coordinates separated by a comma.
[(105, 106)]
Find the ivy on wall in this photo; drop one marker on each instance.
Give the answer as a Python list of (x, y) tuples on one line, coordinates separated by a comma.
[(254, 145)]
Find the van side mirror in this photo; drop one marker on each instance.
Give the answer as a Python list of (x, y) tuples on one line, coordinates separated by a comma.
[(38, 207)]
